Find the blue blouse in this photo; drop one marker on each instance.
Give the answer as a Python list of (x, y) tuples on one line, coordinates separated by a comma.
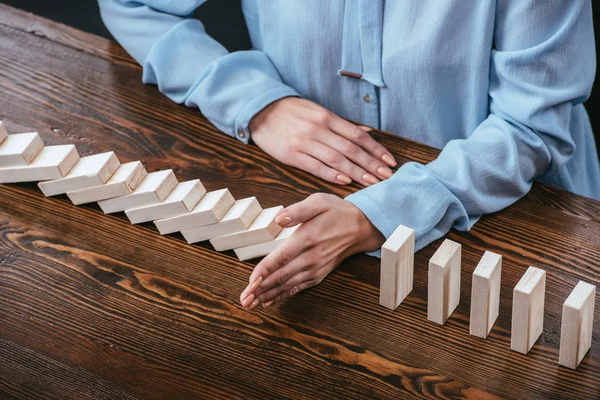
[(497, 84)]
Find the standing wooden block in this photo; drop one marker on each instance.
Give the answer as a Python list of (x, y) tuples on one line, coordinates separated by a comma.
[(155, 187), (577, 325), (263, 229), (238, 218), (3, 132), (397, 266), (528, 310), (53, 162), (209, 210), (485, 294), (180, 201), (88, 172), (20, 149), (125, 179), (265, 248), (443, 293)]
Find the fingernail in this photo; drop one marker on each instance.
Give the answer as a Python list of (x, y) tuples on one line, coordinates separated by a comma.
[(268, 303), (248, 300), (370, 178), (385, 172), (389, 160), (365, 128), (283, 221), (254, 304), (256, 283), (344, 179)]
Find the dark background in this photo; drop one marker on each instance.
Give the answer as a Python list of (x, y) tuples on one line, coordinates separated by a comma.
[(223, 20)]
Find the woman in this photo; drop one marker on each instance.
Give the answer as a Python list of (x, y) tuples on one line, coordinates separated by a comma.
[(498, 84)]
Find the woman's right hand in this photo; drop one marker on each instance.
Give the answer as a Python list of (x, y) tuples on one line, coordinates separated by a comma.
[(305, 135)]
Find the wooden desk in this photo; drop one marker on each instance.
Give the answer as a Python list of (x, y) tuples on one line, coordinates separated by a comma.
[(92, 307)]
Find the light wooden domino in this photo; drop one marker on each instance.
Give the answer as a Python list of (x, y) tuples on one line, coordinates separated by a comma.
[(3, 132), (53, 162), (209, 210), (238, 218), (528, 310), (485, 294), (180, 201), (124, 181), (155, 187), (89, 171), (577, 324), (443, 292), (397, 267), (263, 229), (265, 248), (20, 149)]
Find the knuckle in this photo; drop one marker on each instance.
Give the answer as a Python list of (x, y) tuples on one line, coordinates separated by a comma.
[(333, 158), (282, 277), (285, 257), (322, 117), (294, 290), (358, 135)]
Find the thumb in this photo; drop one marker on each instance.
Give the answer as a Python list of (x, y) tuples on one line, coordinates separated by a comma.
[(305, 210)]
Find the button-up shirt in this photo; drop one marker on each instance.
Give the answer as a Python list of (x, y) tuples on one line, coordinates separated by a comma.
[(498, 85)]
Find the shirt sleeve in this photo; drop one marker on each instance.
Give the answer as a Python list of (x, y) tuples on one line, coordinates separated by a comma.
[(192, 68), (542, 65)]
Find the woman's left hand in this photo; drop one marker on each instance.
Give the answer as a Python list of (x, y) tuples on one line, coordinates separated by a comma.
[(332, 229)]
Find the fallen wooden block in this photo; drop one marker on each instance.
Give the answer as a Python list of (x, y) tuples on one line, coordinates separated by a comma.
[(3, 132), (485, 294), (88, 172), (210, 209), (125, 179), (155, 187), (265, 248), (397, 267), (528, 310), (443, 292), (238, 218), (577, 324), (263, 229), (20, 149), (180, 201), (53, 162)]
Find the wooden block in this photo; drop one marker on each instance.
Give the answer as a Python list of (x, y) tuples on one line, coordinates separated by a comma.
[(265, 248), (238, 218), (53, 162), (88, 172), (180, 201), (485, 294), (125, 179), (155, 187), (528, 310), (397, 266), (577, 325), (3, 132), (443, 292), (20, 149), (263, 229), (210, 209)]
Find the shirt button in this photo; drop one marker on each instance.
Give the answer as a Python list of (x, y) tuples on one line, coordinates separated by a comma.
[(367, 98), (241, 134)]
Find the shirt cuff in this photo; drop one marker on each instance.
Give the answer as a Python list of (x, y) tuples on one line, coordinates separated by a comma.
[(254, 106)]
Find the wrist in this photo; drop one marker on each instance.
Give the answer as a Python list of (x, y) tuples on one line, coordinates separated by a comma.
[(367, 236)]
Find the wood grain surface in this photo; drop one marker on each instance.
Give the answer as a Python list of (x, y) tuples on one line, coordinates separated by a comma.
[(92, 307)]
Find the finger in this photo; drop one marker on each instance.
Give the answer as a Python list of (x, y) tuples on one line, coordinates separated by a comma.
[(292, 283), (357, 155), (338, 161), (294, 290), (319, 169), (360, 137), (285, 274), (303, 211), (291, 248)]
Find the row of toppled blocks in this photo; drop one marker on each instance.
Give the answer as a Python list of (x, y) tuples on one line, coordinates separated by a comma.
[(443, 296), (239, 225)]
